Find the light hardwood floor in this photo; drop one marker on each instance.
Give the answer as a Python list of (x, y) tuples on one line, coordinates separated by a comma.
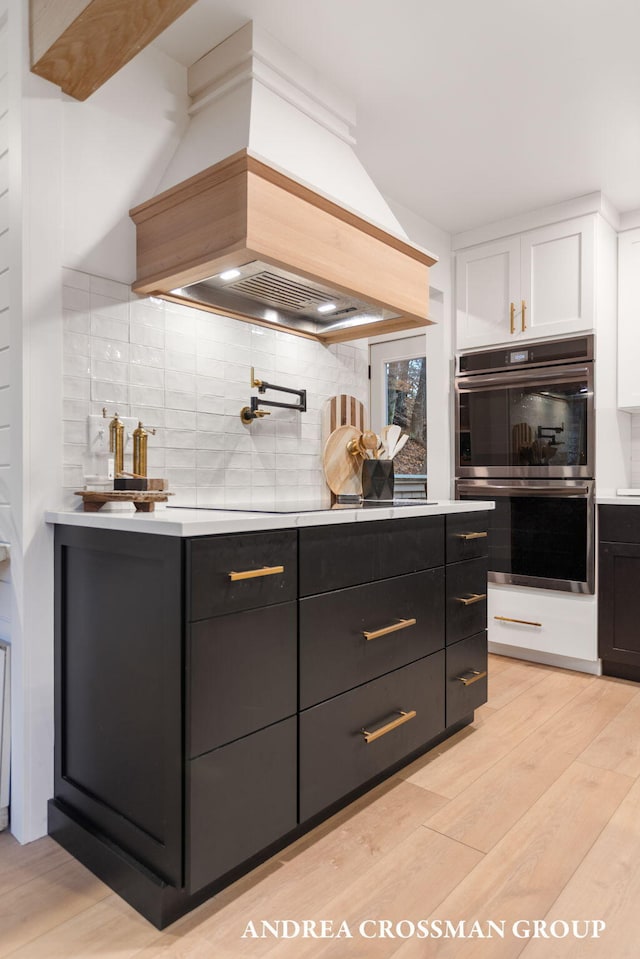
[(531, 813)]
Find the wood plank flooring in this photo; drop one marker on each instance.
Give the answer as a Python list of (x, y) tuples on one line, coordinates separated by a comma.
[(532, 813)]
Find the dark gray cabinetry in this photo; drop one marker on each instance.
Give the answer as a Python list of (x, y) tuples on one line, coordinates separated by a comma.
[(336, 752), (218, 696), (619, 591), (118, 691)]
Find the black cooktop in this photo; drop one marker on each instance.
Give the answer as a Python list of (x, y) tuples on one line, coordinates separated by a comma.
[(311, 506)]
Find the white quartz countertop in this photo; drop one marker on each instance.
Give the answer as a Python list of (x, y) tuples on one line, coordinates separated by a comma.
[(207, 522), (620, 497)]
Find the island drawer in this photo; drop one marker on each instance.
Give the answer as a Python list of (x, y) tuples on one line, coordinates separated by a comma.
[(352, 738), (335, 557), (242, 674), (466, 599), (353, 635), (467, 536), (466, 677), (241, 798), (226, 574)]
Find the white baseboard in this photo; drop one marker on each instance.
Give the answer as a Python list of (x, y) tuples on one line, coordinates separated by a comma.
[(594, 667)]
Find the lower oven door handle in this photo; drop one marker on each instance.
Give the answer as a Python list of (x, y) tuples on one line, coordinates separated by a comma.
[(524, 490)]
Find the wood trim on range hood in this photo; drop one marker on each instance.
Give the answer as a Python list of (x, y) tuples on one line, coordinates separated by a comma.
[(242, 210)]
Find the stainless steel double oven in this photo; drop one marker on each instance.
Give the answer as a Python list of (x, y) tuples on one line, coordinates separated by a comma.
[(525, 438)]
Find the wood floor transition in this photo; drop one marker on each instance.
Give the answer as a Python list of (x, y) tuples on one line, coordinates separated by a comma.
[(532, 813)]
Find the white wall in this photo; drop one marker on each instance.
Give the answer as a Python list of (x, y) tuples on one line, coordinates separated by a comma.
[(613, 426), (439, 349), (116, 147)]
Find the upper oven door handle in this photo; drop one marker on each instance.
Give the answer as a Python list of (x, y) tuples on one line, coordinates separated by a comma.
[(510, 378), (523, 490)]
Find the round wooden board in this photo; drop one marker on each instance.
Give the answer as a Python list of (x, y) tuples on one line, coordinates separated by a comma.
[(341, 469)]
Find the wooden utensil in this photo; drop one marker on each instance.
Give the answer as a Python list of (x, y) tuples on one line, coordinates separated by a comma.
[(393, 435), (399, 445), (341, 468), (369, 442)]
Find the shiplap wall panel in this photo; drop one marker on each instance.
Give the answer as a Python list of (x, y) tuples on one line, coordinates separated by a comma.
[(7, 522)]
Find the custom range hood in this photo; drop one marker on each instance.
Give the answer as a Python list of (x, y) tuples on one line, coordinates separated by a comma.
[(265, 213)]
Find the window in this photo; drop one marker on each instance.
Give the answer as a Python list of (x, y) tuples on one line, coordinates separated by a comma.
[(399, 396)]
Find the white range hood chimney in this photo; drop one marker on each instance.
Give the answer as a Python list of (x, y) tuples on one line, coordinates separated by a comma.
[(250, 92), (265, 212)]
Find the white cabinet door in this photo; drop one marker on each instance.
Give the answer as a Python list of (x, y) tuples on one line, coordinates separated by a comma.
[(526, 287), (558, 290), (487, 284), (629, 320)]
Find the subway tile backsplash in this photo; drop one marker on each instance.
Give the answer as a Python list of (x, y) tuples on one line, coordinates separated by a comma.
[(187, 374)]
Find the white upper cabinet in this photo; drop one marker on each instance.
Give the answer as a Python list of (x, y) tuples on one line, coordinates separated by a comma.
[(528, 286), (628, 319)]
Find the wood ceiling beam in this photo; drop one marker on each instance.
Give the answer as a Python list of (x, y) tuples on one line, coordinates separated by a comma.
[(80, 44)]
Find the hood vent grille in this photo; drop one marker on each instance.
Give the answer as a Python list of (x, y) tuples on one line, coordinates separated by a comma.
[(278, 291)]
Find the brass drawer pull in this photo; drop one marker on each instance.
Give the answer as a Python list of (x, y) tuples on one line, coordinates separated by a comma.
[(404, 717), (253, 573), (401, 624), (473, 676), (523, 622), (523, 303), (470, 600), (466, 536), (512, 317)]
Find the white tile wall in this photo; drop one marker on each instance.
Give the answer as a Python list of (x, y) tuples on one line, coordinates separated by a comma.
[(187, 374)]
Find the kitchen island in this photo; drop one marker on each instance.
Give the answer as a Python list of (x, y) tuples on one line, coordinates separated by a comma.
[(227, 680)]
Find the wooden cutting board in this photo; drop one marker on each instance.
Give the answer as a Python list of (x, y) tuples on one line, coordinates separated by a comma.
[(341, 469), (343, 410)]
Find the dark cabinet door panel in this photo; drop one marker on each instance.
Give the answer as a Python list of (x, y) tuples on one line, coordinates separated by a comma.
[(466, 677), (118, 756), (335, 756), (619, 604), (466, 536), (242, 674), (353, 635), (334, 557), (466, 599), (241, 798), (226, 574)]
